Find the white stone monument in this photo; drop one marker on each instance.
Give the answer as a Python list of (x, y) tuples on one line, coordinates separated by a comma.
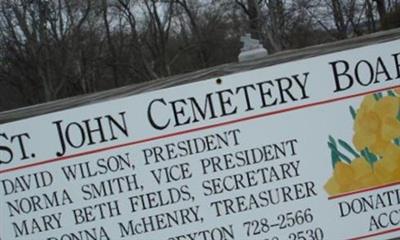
[(252, 49)]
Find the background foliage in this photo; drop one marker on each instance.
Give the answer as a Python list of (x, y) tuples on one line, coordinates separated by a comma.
[(51, 49)]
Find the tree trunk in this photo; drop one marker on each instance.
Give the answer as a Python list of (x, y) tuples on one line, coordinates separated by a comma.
[(381, 6), (339, 19), (111, 47), (370, 16), (254, 19)]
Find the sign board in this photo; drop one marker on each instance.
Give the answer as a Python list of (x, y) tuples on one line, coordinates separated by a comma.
[(305, 150)]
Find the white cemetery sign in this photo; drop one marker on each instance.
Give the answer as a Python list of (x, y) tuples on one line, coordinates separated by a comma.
[(302, 150)]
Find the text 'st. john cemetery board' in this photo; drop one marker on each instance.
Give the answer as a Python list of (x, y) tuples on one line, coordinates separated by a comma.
[(305, 150)]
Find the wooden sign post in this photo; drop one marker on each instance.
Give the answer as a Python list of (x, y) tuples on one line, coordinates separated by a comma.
[(300, 145)]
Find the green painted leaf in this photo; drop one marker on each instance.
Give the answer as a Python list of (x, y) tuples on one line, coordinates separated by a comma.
[(332, 140), (391, 93), (371, 158), (346, 146), (365, 155), (332, 146), (340, 155), (344, 157), (335, 159), (353, 112)]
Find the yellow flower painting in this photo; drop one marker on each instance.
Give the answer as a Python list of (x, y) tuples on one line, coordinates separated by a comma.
[(375, 149)]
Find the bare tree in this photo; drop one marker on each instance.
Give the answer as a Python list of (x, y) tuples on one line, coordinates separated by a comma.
[(51, 49), (381, 7), (38, 37), (158, 32), (252, 9)]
